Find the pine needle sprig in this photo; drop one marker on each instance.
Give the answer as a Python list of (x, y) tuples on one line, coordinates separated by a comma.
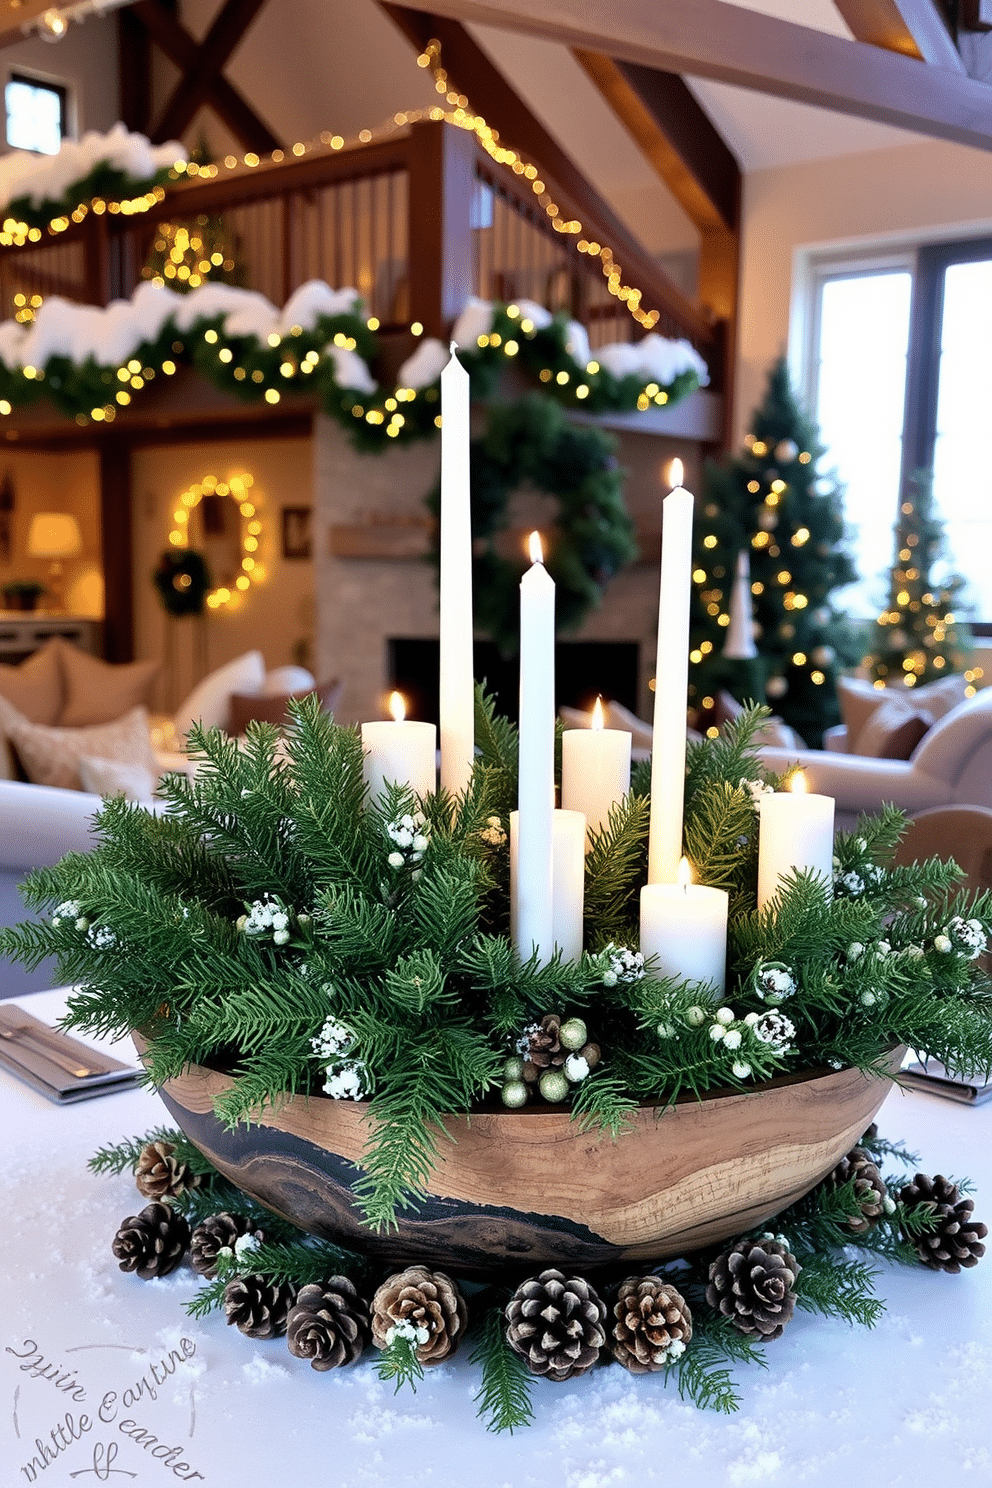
[(615, 866), (601, 1104), (398, 1363), (701, 1375), (839, 1288), (504, 1398)]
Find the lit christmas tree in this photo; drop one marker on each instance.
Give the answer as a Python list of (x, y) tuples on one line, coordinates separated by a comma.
[(918, 637), (771, 503), (185, 255)]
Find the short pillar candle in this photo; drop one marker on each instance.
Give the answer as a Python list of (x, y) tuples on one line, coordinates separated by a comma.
[(795, 835), (400, 752), (684, 926), (595, 770)]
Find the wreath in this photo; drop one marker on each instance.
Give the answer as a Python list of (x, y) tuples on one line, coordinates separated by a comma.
[(531, 443), (182, 579)]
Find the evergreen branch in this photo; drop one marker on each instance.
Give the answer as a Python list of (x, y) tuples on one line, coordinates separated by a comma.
[(504, 1395), (838, 1288), (616, 866), (601, 1104), (398, 1362), (700, 1373)]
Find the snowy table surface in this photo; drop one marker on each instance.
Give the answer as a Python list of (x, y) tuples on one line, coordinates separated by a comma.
[(905, 1403)]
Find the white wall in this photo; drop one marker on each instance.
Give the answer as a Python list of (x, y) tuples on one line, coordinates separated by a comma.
[(85, 60), (926, 189)]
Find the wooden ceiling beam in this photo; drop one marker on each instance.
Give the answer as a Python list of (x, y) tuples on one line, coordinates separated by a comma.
[(916, 28), (677, 136), (472, 72), (214, 51), (228, 104), (733, 44)]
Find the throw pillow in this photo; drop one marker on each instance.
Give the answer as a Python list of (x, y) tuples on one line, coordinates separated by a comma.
[(859, 699), (104, 777), (271, 707), (892, 731), (99, 691), (35, 688), (51, 755), (209, 704)]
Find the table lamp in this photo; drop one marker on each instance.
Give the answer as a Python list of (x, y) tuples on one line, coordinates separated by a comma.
[(54, 535)]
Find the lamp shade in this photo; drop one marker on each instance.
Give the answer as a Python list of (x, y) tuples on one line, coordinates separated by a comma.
[(54, 535)]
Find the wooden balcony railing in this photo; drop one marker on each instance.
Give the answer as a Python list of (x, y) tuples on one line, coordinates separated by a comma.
[(416, 223)]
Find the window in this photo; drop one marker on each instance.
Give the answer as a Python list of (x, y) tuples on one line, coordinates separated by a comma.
[(35, 115), (899, 372)]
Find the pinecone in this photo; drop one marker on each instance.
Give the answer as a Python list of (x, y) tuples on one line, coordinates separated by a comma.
[(153, 1242), (159, 1174), (653, 1324), (328, 1324), (257, 1306), (752, 1285), (556, 1324), (543, 1049), (957, 1239), (216, 1232), (425, 1301), (870, 1191)]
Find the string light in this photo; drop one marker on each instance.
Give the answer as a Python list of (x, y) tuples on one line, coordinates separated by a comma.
[(236, 488)]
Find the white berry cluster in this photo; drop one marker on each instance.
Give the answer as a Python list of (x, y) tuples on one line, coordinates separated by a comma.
[(67, 910), (267, 916), (621, 965), (964, 935), (345, 1078), (405, 1329), (493, 832), (411, 838), (756, 789), (727, 1031), (773, 982), (101, 937), (859, 879)]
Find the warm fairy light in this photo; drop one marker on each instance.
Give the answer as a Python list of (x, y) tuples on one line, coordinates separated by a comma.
[(397, 706), (596, 722), (534, 548), (798, 783), (676, 472)]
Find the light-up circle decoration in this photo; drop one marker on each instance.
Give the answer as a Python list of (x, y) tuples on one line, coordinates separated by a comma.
[(239, 489)]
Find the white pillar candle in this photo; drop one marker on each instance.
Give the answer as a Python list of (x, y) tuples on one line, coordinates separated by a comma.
[(796, 834), (568, 835), (684, 925), (401, 752), (456, 706), (536, 770), (671, 685), (595, 770), (739, 644)]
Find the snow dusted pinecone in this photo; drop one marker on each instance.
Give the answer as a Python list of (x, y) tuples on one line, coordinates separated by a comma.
[(752, 1285), (153, 1242), (653, 1324), (426, 1302), (956, 1240), (543, 1049), (215, 1233), (870, 1191), (258, 1307), (556, 1324), (328, 1324), (159, 1174)]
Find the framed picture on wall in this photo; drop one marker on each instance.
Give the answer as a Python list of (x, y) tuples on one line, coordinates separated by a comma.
[(297, 541)]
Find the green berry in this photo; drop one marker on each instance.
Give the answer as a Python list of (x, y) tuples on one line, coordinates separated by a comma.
[(553, 1086), (514, 1094), (513, 1069), (573, 1034)]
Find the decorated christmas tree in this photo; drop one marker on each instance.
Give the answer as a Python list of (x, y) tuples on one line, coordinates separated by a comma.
[(185, 255), (772, 503), (917, 637)]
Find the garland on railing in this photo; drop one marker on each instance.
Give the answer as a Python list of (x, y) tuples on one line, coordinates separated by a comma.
[(118, 172)]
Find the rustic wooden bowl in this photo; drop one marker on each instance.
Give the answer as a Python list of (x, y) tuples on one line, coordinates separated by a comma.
[(529, 1188)]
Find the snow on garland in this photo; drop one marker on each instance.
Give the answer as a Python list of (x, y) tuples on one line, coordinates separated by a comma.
[(114, 166), (89, 360)]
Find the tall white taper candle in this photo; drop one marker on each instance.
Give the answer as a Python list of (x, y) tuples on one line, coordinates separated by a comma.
[(671, 685), (455, 682), (534, 885)]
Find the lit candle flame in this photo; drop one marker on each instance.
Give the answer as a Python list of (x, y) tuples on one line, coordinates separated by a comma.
[(535, 549), (798, 782), (675, 473), (596, 722), (684, 875), (397, 706)]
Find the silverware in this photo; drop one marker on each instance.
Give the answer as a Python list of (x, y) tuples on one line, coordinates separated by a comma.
[(47, 1044)]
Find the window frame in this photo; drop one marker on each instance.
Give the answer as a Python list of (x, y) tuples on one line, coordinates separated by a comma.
[(51, 85)]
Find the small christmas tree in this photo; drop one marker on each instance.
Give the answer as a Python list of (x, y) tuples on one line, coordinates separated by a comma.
[(772, 503), (185, 255), (918, 637)]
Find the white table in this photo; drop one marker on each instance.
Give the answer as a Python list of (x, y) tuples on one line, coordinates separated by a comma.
[(904, 1404)]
